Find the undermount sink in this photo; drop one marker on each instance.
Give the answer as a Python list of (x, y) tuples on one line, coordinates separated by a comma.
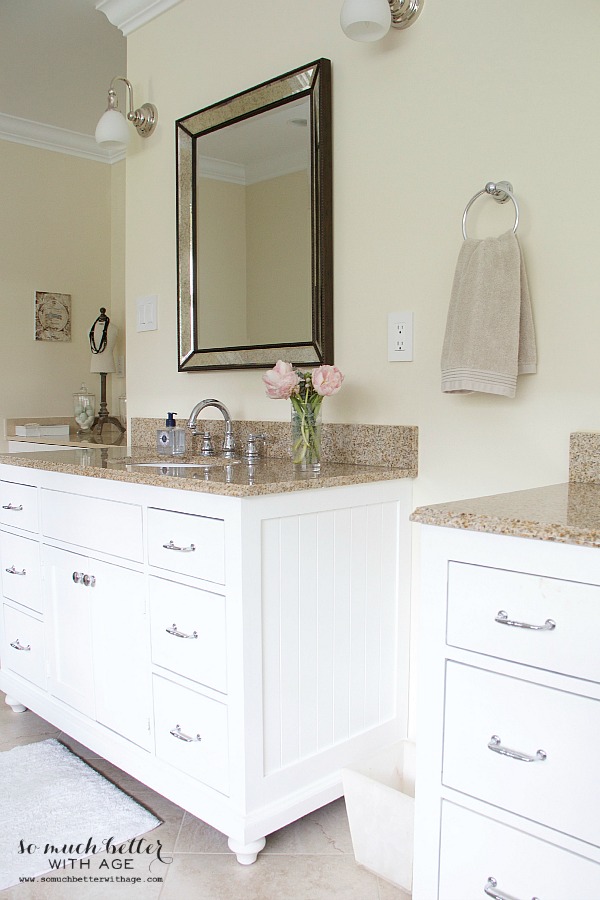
[(204, 463)]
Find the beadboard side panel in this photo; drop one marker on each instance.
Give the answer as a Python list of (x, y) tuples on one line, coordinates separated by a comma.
[(330, 628)]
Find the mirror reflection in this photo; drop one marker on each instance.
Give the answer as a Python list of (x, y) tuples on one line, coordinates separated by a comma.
[(254, 226), (253, 230)]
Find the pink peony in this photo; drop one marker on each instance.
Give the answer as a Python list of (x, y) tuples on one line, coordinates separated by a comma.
[(327, 380), (281, 381)]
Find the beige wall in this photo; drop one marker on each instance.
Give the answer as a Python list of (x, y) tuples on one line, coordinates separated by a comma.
[(474, 91), (57, 214)]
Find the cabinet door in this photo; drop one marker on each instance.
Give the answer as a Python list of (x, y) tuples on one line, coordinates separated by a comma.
[(23, 645), (21, 580), (188, 628), (99, 641), (192, 733), (478, 853), (69, 619), (121, 652), (524, 747), (19, 505)]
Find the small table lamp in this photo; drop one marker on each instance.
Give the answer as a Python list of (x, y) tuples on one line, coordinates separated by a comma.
[(103, 337)]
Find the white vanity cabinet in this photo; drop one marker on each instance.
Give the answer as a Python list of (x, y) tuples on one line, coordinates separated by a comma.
[(232, 652), (508, 725)]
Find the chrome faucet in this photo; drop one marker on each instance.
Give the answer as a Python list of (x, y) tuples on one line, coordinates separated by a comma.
[(228, 440)]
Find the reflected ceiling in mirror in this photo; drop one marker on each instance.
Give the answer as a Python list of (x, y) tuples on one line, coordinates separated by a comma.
[(254, 226)]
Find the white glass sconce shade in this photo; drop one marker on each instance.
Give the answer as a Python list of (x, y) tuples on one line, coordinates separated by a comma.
[(112, 128), (365, 20)]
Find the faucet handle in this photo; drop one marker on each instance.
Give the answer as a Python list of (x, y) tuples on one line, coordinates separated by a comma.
[(228, 443), (252, 452), (207, 448)]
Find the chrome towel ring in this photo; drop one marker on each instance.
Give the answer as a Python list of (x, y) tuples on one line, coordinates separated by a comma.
[(501, 192)]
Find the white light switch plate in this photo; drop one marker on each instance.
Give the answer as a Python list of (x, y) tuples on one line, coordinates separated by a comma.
[(147, 313)]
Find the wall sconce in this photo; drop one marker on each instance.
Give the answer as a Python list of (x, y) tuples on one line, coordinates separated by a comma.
[(370, 20), (112, 127)]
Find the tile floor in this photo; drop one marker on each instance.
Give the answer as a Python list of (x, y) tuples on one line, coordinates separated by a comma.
[(310, 859)]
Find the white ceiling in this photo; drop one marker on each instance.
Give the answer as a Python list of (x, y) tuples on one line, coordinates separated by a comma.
[(57, 58)]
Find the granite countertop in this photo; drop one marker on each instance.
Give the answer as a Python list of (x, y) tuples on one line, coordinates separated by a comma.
[(565, 513), (267, 476)]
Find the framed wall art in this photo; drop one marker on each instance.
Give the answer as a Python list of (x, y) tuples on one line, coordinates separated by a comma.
[(52, 316)]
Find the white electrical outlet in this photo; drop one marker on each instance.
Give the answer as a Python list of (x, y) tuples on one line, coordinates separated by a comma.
[(400, 337)]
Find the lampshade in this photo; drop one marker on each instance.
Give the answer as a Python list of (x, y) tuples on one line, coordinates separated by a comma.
[(112, 128), (365, 20)]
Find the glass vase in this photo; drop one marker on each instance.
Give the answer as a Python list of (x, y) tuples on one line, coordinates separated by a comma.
[(306, 437), (84, 407)]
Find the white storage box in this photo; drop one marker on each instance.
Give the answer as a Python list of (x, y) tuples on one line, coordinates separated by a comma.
[(380, 804), (32, 429)]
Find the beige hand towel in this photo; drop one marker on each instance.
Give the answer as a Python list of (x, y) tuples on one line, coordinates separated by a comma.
[(489, 331)]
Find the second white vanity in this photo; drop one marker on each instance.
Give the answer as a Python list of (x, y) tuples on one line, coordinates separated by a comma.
[(231, 644), (507, 791)]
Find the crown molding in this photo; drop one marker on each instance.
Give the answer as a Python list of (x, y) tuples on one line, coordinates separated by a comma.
[(129, 15), (261, 170), (47, 137)]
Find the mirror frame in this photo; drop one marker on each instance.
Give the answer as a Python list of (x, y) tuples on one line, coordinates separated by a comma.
[(314, 81)]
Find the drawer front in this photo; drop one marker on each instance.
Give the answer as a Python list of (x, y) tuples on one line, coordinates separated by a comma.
[(106, 526), (560, 791), (476, 594), (19, 505), (188, 632), (201, 749), (21, 571), (475, 848), (23, 650), (191, 545)]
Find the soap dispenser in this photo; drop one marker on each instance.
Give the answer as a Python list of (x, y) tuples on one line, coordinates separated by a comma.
[(170, 440)]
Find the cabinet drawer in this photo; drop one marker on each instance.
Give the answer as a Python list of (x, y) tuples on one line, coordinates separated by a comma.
[(19, 505), (556, 791), (476, 594), (103, 525), (475, 848), (23, 650), (191, 545), (188, 632), (201, 749), (21, 578)]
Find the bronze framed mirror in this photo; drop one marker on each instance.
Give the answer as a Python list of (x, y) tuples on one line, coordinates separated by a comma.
[(254, 226)]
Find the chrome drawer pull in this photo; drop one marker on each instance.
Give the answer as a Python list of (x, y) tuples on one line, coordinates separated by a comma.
[(490, 890), (178, 733), (172, 546), (502, 619), (181, 634), (495, 744), (13, 571), (77, 577), (19, 646), (14, 508)]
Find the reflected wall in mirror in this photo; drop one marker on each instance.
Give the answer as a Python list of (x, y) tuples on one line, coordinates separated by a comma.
[(254, 226)]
